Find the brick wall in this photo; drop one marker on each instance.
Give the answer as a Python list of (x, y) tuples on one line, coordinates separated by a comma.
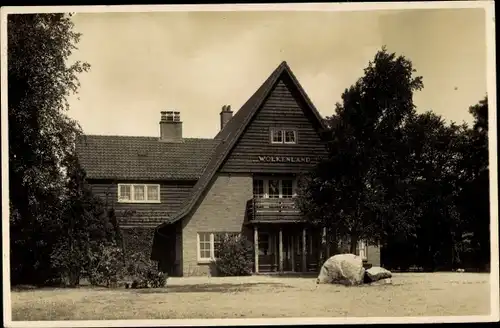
[(222, 209)]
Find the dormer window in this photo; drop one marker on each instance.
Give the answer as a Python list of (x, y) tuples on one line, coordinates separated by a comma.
[(280, 136)]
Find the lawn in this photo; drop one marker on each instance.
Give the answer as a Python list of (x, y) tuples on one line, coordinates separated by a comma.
[(412, 294)]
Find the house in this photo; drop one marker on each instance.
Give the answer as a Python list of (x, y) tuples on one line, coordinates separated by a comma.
[(188, 192)]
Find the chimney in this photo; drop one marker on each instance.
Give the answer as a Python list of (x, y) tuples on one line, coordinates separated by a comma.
[(225, 115), (170, 126)]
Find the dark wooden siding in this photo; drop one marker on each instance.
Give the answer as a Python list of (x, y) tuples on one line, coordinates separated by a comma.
[(282, 109), (172, 194)]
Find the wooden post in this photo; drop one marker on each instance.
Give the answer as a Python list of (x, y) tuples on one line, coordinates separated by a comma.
[(276, 260), (292, 249), (280, 254), (304, 250), (256, 247)]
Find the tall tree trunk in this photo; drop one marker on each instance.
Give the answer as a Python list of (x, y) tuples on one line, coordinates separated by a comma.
[(354, 244), (74, 277), (333, 241)]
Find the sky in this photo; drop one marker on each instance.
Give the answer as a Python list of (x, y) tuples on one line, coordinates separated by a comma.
[(195, 62)]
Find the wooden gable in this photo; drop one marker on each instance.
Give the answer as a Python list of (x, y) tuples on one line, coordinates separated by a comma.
[(284, 108), (282, 101)]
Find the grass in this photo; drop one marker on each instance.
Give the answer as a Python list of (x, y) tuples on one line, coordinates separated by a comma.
[(412, 294)]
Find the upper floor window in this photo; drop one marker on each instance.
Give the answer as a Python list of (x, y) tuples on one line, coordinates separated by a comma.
[(139, 193), (287, 136), (258, 188), (290, 136), (287, 188), (274, 188)]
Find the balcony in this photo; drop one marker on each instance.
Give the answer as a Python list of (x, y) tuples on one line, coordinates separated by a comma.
[(273, 210)]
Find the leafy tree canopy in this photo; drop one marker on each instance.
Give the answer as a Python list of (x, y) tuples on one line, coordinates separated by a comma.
[(358, 190), (40, 134)]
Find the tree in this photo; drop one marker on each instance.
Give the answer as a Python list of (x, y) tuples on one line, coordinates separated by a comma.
[(474, 198), (435, 158), (360, 190), (40, 136), (452, 195), (89, 228)]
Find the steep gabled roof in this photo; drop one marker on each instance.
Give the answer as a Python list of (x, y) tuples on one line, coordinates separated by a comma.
[(234, 129), (143, 158)]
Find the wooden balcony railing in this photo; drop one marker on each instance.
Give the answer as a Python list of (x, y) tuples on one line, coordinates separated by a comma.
[(273, 209)]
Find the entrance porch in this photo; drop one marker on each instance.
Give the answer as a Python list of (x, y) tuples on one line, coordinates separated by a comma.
[(288, 247)]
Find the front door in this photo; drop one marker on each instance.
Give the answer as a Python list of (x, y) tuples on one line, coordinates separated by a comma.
[(266, 252)]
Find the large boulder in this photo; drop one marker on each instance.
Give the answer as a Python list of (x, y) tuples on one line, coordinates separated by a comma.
[(387, 281), (377, 273), (345, 269)]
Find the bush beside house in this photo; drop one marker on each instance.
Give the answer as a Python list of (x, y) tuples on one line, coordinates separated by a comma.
[(144, 272), (235, 256), (110, 267)]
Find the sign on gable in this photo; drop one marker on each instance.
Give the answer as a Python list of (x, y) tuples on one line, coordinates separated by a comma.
[(284, 159)]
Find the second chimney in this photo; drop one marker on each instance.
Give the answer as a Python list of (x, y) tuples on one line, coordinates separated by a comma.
[(170, 126), (225, 115)]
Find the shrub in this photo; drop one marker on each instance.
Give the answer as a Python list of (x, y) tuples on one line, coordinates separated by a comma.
[(137, 240), (144, 272), (106, 266), (235, 256), (69, 262)]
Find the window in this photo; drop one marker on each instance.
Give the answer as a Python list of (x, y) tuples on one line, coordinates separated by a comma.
[(153, 192), (287, 188), (276, 136), (258, 188), (138, 193), (205, 246), (208, 244), (124, 193), (274, 188), (290, 136), (287, 136)]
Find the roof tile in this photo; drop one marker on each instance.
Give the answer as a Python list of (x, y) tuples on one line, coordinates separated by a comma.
[(143, 158), (142, 218)]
